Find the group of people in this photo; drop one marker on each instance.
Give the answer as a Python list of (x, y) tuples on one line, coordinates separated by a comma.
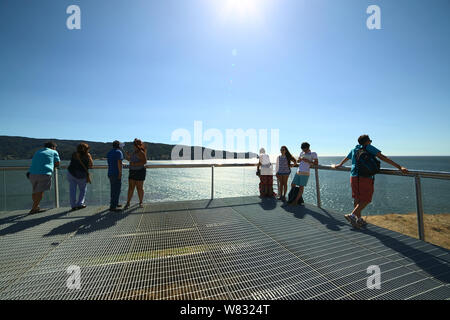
[(45, 160), (362, 186), (285, 161), (137, 160)]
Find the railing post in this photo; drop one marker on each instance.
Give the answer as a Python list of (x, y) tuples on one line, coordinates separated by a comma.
[(419, 206), (319, 202), (212, 182), (56, 182)]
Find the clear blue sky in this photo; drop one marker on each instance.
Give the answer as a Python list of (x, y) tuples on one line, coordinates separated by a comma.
[(142, 68)]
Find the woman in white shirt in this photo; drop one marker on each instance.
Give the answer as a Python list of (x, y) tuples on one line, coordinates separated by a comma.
[(265, 170), (306, 159)]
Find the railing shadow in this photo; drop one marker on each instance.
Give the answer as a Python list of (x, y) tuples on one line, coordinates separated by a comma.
[(100, 221), (436, 267), (12, 218), (328, 220), (19, 226)]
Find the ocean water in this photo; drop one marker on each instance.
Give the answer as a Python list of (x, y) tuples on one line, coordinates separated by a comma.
[(392, 194)]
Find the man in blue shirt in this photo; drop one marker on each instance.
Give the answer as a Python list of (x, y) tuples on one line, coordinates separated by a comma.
[(115, 157), (363, 187), (40, 173)]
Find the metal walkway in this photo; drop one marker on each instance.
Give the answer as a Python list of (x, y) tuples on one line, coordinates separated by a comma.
[(236, 248)]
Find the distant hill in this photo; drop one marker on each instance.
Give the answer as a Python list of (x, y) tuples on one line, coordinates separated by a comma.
[(18, 148)]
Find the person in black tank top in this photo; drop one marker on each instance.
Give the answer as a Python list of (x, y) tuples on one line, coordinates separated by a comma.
[(137, 174), (283, 171)]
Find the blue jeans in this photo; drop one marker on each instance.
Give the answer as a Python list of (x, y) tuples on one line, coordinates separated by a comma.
[(73, 184), (116, 185)]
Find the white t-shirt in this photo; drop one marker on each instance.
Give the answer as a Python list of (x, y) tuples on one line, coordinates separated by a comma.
[(304, 166), (266, 165)]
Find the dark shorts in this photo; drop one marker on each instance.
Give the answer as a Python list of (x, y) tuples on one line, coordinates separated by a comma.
[(283, 173), (362, 188), (138, 175)]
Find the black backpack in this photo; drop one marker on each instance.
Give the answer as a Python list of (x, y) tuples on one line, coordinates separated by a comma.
[(367, 164)]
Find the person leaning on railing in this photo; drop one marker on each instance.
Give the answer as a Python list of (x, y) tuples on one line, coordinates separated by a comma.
[(305, 160), (363, 187), (78, 175), (40, 173)]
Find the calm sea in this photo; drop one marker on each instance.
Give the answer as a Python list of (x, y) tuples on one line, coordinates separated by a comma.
[(392, 194)]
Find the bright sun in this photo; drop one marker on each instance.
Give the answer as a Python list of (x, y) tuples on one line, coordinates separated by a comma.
[(243, 8)]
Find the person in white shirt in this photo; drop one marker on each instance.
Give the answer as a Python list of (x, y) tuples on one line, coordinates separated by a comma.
[(305, 160), (265, 170)]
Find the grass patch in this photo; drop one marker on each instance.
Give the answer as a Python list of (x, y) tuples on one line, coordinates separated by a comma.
[(437, 226)]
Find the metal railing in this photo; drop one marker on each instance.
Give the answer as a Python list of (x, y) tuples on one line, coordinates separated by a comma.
[(416, 174)]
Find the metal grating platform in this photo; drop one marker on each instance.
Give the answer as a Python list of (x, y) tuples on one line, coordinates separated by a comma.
[(236, 248)]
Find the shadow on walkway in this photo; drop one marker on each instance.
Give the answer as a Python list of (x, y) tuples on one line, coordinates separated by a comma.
[(100, 221), (12, 218), (31, 223), (434, 266), (268, 203), (324, 217)]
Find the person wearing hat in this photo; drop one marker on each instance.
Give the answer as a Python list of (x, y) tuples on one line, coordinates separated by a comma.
[(115, 157)]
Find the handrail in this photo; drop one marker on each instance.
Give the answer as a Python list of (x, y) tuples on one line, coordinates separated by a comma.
[(416, 174), (412, 173)]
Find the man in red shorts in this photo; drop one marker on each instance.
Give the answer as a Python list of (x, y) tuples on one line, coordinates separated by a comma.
[(362, 187)]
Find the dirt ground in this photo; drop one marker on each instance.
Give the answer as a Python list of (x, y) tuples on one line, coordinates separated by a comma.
[(437, 226)]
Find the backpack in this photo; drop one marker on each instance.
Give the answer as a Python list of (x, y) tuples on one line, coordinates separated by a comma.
[(367, 164), (293, 194)]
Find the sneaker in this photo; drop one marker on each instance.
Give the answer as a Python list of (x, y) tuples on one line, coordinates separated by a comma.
[(81, 207), (352, 220), (362, 222), (38, 210), (126, 206)]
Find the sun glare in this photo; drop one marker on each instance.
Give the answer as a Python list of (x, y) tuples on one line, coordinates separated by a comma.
[(242, 9)]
